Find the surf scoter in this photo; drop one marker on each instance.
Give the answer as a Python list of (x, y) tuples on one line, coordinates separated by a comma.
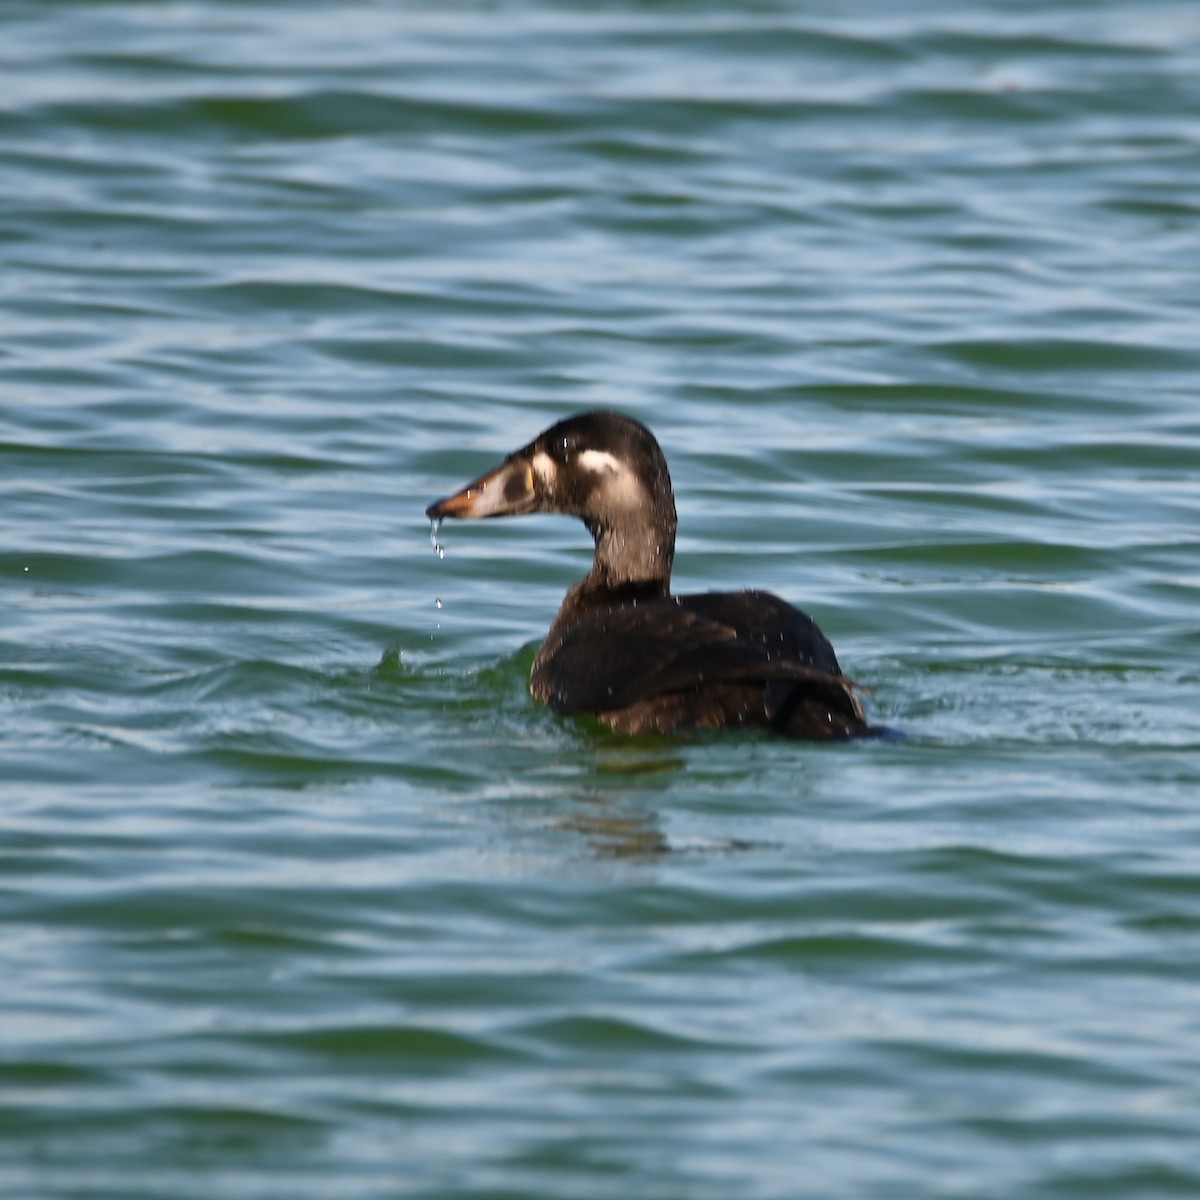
[(622, 647)]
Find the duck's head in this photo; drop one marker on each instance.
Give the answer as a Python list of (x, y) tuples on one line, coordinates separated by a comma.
[(602, 467)]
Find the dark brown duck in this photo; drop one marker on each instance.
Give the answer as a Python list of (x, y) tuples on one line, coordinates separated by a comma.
[(622, 648)]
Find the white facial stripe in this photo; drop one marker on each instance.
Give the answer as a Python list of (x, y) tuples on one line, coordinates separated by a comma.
[(544, 467), (620, 485), (600, 461)]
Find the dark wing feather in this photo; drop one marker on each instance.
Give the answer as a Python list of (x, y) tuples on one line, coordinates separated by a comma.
[(617, 658), (614, 657), (783, 631)]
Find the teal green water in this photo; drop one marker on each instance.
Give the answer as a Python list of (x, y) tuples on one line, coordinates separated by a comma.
[(302, 895)]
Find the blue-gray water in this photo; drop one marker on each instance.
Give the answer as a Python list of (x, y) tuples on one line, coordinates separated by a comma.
[(302, 895)]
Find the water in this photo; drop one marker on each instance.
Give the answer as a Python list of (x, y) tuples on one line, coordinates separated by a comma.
[(302, 894)]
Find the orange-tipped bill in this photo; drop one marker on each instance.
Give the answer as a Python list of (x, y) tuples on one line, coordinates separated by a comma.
[(507, 491)]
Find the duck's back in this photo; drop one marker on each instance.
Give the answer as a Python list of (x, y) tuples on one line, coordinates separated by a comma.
[(704, 661)]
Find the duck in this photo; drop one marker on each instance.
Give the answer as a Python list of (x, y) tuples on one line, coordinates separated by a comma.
[(622, 648)]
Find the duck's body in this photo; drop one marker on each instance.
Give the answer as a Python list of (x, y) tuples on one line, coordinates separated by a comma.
[(622, 648)]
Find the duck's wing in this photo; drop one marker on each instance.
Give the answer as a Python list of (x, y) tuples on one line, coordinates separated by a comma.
[(781, 629), (630, 656)]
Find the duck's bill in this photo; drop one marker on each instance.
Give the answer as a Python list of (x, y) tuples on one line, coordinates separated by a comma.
[(507, 491)]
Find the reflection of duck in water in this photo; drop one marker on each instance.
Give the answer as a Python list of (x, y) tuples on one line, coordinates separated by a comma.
[(622, 647)]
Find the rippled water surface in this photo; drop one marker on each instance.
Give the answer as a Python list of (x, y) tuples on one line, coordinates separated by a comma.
[(302, 894)]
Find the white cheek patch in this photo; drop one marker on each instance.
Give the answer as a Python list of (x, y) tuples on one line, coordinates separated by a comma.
[(620, 484), (600, 462), (544, 468)]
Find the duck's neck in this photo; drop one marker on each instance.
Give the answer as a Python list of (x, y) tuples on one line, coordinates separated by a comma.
[(630, 566), (627, 570), (632, 555)]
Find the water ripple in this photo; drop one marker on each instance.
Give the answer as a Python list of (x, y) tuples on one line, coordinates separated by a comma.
[(303, 893)]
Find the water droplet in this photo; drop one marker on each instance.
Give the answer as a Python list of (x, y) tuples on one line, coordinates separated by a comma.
[(434, 525)]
